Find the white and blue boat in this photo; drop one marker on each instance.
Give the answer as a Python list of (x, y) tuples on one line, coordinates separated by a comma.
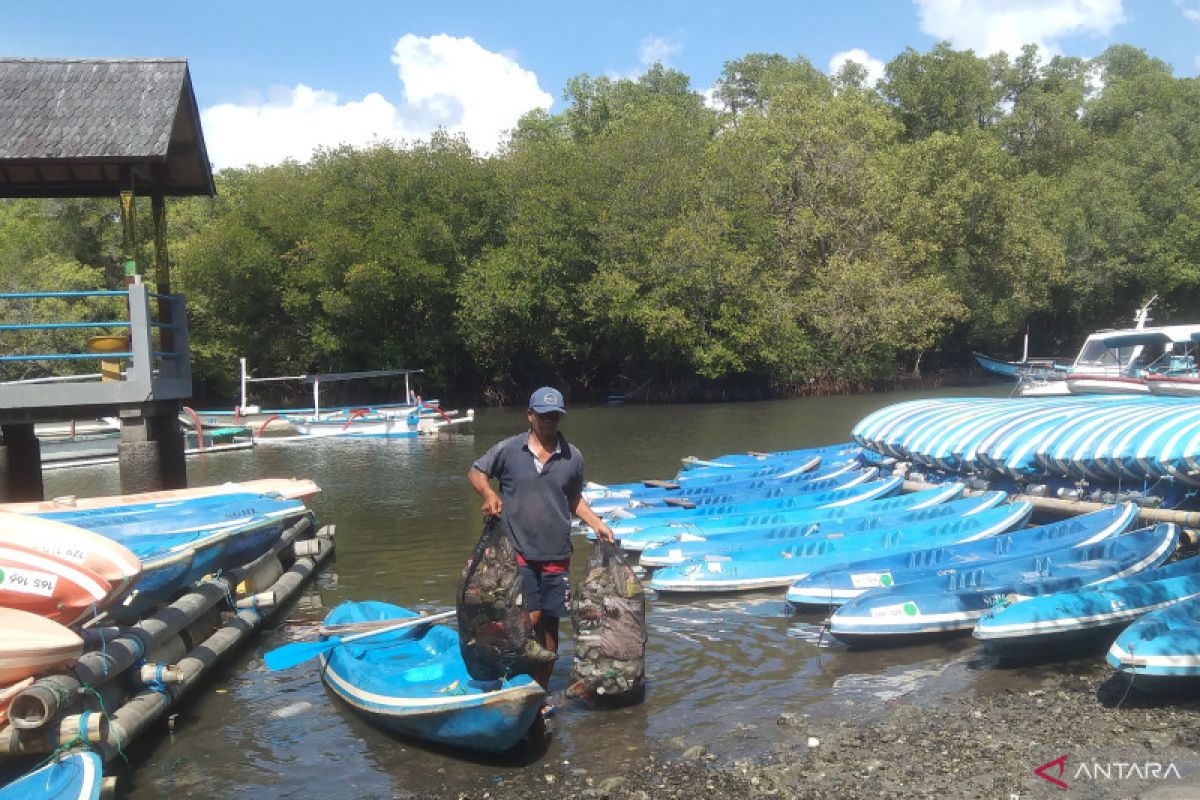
[(841, 584), (75, 776), (856, 492), (833, 477), (1072, 621), (699, 477), (632, 536), (1161, 650), (774, 536), (757, 459), (768, 567), (414, 682), (952, 604)]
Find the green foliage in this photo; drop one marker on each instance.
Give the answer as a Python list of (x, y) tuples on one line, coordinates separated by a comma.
[(805, 229)]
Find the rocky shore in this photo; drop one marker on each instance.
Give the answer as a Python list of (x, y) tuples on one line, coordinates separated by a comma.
[(1096, 738)]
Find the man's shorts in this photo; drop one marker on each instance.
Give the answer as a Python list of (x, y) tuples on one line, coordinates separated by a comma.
[(546, 591)]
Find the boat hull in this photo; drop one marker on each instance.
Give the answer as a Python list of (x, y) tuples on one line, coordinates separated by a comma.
[(32, 644), (952, 606)]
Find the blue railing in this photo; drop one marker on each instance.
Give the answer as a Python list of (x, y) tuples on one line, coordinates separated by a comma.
[(150, 372)]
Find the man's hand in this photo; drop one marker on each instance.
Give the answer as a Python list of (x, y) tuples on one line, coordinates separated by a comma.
[(492, 504), (604, 533)]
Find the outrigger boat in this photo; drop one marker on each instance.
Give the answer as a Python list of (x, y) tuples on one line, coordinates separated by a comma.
[(260, 419)]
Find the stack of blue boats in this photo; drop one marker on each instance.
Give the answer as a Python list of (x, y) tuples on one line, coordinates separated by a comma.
[(893, 568), (1105, 438), (180, 541)]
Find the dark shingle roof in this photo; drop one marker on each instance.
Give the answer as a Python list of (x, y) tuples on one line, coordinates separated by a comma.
[(69, 127)]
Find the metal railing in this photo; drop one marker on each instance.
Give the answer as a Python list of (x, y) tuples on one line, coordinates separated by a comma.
[(150, 373)]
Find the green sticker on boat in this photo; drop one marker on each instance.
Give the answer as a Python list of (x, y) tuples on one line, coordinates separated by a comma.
[(910, 609)]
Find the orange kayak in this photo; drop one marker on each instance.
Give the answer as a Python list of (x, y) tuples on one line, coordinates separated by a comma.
[(107, 558), (41, 584), (31, 644)]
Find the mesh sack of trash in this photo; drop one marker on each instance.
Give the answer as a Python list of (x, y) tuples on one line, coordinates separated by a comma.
[(608, 610), (493, 626)]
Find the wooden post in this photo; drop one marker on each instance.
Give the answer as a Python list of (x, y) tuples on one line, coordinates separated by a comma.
[(162, 268)]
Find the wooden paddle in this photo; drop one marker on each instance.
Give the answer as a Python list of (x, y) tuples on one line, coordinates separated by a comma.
[(298, 652)]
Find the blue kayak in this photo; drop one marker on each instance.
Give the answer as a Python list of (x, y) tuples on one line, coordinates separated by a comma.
[(777, 501), (175, 559), (634, 536), (76, 776), (1162, 649), (1068, 621), (799, 481), (954, 603), (768, 567), (601, 491), (722, 544), (752, 459), (840, 584), (201, 514), (743, 495), (414, 682)]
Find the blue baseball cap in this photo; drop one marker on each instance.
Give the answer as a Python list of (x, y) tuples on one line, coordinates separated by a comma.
[(546, 400)]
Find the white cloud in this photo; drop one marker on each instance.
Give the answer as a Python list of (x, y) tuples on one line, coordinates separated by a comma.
[(1189, 10), (658, 49), (859, 56), (988, 26), (449, 82)]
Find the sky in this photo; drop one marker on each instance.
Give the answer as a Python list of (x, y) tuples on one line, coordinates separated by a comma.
[(274, 80)]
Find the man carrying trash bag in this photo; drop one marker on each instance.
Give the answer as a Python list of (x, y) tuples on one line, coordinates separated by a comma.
[(540, 477)]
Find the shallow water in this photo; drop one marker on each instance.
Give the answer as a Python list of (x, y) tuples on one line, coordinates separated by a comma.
[(721, 669)]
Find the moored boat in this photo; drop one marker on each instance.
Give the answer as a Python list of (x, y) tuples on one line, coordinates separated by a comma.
[(700, 546), (31, 644), (635, 536), (768, 567), (952, 604), (841, 584), (287, 487), (1070, 621), (414, 682), (55, 589), (1161, 650), (109, 559), (74, 776)]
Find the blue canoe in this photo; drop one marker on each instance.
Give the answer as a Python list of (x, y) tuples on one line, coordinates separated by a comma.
[(174, 560), (200, 514), (954, 603), (414, 682), (76, 776), (722, 544), (602, 491), (745, 495), (753, 459), (841, 584), (1053, 623), (768, 567), (798, 481), (633, 536), (777, 501), (1162, 649)]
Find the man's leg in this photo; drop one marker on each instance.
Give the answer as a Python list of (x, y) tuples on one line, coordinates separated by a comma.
[(545, 631)]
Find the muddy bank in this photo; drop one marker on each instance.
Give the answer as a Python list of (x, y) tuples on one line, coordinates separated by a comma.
[(982, 742)]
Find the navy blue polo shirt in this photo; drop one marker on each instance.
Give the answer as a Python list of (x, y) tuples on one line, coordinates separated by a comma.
[(537, 505)]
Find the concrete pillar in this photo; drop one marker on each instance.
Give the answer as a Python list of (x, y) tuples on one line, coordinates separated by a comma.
[(167, 434), (21, 463), (150, 454)]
